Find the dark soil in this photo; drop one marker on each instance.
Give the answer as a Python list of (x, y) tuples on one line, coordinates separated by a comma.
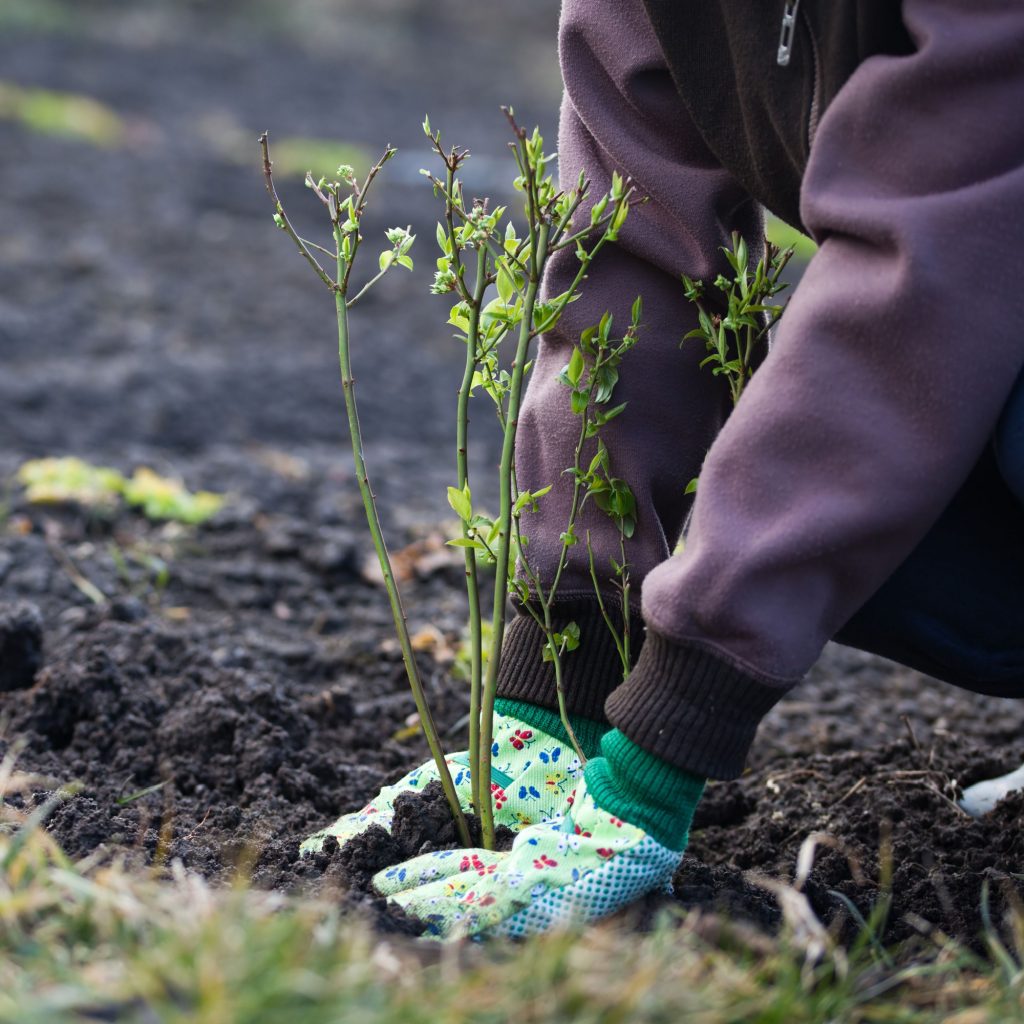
[(220, 711)]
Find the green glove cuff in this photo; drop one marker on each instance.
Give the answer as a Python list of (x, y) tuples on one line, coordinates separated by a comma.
[(638, 787), (588, 732)]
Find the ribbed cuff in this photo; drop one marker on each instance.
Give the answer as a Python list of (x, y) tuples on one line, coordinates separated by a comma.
[(588, 732), (589, 674), (693, 708), (644, 790)]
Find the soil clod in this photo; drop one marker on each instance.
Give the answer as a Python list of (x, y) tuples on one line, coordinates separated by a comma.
[(21, 645)]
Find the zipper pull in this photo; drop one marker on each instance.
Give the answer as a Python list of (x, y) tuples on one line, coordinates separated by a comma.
[(788, 33)]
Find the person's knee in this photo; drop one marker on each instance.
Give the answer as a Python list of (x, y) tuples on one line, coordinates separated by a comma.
[(1009, 441)]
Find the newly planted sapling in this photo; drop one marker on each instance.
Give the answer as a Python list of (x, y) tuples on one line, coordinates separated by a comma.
[(480, 250), (514, 263), (345, 202)]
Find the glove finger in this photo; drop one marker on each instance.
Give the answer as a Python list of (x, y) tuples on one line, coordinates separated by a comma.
[(456, 907), (345, 828), (379, 811), (441, 867)]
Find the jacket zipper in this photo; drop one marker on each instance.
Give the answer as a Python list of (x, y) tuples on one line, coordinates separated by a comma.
[(787, 40), (788, 31)]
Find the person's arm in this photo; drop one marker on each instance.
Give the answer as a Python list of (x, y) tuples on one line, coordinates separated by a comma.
[(883, 386), (621, 113)]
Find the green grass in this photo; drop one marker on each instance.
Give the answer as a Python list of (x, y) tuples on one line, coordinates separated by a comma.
[(69, 479), (95, 941), (64, 114)]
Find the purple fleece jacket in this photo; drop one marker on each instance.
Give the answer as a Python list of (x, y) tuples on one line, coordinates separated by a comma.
[(883, 384)]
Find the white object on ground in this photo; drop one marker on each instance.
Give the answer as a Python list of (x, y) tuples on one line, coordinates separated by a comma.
[(980, 798)]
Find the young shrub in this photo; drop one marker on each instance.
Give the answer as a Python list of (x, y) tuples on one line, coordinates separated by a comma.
[(480, 249)]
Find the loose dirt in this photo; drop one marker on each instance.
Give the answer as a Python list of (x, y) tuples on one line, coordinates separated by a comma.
[(239, 687)]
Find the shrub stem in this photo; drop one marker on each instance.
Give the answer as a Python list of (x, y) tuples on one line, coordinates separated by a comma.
[(373, 521), (508, 449), (480, 784)]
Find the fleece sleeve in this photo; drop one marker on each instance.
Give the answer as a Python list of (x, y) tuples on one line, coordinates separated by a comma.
[(621, 113), (885, 380)]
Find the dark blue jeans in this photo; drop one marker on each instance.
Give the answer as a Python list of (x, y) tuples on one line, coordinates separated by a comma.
[(955, 607)]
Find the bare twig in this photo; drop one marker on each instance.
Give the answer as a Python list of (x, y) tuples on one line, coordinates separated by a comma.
[(268, 179)]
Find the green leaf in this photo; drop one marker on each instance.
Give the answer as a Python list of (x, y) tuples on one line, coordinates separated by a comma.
[(618, 220), (442, 239), (466, 542), (405, 261), (579, 402), (607, 378), (691, 487), (506, 284), (576, 366), (459, 316), (460, 502), (571, 636), (386, 259), (605, 417)]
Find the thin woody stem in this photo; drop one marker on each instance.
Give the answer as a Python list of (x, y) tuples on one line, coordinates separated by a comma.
[(543, 619), (619, 645), (268, 179), (452, 207), (391, 585), (626, 612), (563, 224), (563, 709), (572, 289), (539, 252), (480, 784), (601, 224), (360, 192), (366, 287)]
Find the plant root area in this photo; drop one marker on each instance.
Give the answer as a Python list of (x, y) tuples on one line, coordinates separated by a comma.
[(212, 695)]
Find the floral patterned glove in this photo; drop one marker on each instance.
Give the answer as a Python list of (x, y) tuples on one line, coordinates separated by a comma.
[(531, 773), (583, 864)]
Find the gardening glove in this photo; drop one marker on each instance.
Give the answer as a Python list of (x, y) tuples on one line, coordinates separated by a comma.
[(531, 773), (619, 835)]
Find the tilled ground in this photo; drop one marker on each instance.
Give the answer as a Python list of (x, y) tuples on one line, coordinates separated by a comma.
[(218, 712)]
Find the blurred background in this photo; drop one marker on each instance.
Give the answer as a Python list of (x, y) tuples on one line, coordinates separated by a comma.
[(149, 310)]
